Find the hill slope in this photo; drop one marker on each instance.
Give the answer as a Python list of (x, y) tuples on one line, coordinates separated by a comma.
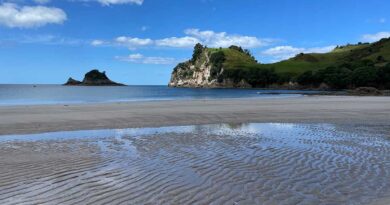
[(341, 54), (235, 67)]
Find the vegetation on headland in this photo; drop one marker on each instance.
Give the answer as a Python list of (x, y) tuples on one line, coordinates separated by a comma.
[(346, 67)]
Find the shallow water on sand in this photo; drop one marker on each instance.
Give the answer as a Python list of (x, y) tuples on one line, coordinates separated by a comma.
[(209, 164)]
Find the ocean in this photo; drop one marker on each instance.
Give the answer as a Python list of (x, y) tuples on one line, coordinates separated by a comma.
[(58, 94)]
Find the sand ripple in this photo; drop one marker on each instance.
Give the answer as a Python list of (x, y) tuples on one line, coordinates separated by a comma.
[(210, 164)]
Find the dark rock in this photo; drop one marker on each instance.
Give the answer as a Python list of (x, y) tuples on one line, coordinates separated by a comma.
[(367, 91), (94, 78), (72, 81)]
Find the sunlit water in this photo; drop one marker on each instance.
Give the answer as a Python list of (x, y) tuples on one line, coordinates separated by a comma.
[(208, 164), (55, 94)]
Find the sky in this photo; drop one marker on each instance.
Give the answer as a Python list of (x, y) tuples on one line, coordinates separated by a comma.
[(139, 42)]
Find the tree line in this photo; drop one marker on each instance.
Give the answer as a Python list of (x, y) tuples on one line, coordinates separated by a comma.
[(344, 76)]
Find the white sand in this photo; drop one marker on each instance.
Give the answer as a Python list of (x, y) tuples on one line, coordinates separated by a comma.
[(332, 109)]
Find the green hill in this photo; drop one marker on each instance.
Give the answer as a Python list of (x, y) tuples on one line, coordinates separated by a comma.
[(349, 66), (315, 61), (340, 55)]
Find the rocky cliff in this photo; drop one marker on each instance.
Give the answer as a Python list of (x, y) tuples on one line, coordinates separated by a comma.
[(193, 74), (206, 69), (93, 78)]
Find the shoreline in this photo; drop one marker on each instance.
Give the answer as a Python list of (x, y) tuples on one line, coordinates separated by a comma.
[(333, 93), (30, 119)]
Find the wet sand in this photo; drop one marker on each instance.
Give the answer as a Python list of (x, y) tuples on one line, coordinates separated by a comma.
[(208, 164), (328, 109), (337, 151)]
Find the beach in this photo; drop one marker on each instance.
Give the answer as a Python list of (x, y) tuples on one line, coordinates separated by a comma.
[(25, 119), (295, 150)]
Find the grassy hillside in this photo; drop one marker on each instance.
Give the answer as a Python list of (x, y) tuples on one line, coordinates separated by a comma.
[(311, 61), (235, 58), (340, 55)]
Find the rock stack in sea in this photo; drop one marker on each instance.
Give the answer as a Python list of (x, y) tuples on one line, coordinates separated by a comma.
[(93, 78)]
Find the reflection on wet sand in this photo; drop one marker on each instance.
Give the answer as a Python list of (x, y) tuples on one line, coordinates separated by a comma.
[(220, 164)]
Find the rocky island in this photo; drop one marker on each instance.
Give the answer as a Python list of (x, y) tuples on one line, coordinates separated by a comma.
[(93, 78)]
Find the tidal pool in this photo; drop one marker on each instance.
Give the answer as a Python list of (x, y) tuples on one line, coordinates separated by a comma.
[(255, 163)]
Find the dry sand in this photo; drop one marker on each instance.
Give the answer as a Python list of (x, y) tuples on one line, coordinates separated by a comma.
[(337, 109)]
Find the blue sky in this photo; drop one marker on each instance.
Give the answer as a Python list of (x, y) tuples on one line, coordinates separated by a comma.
[(139, 41)]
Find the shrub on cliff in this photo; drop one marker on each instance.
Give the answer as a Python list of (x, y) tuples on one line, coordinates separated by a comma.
[(257, 77), (383, 77), (217, 59), (284, 78), (237, 48), (198, 49), (364, 76), (306, 78), (236, 75), (335, 77), (348, 75), (261, 77)]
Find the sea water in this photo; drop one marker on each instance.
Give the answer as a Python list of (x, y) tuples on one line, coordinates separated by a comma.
[(57, 94)]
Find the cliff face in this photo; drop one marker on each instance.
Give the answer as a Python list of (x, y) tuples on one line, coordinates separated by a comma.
[(204, 70), (93, 78), (193, 74)]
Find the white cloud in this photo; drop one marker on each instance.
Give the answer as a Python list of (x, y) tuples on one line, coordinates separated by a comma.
[(50, 40), (41, 1), (281, 50), (129, 42), (222, 39), (286, 52), (182, 42), (124, 41), (320, 49), (140, 59), (112, 2), (14, 16), (133, 43), (97, 42), (44, 39), (376, 36), (193, 36)]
